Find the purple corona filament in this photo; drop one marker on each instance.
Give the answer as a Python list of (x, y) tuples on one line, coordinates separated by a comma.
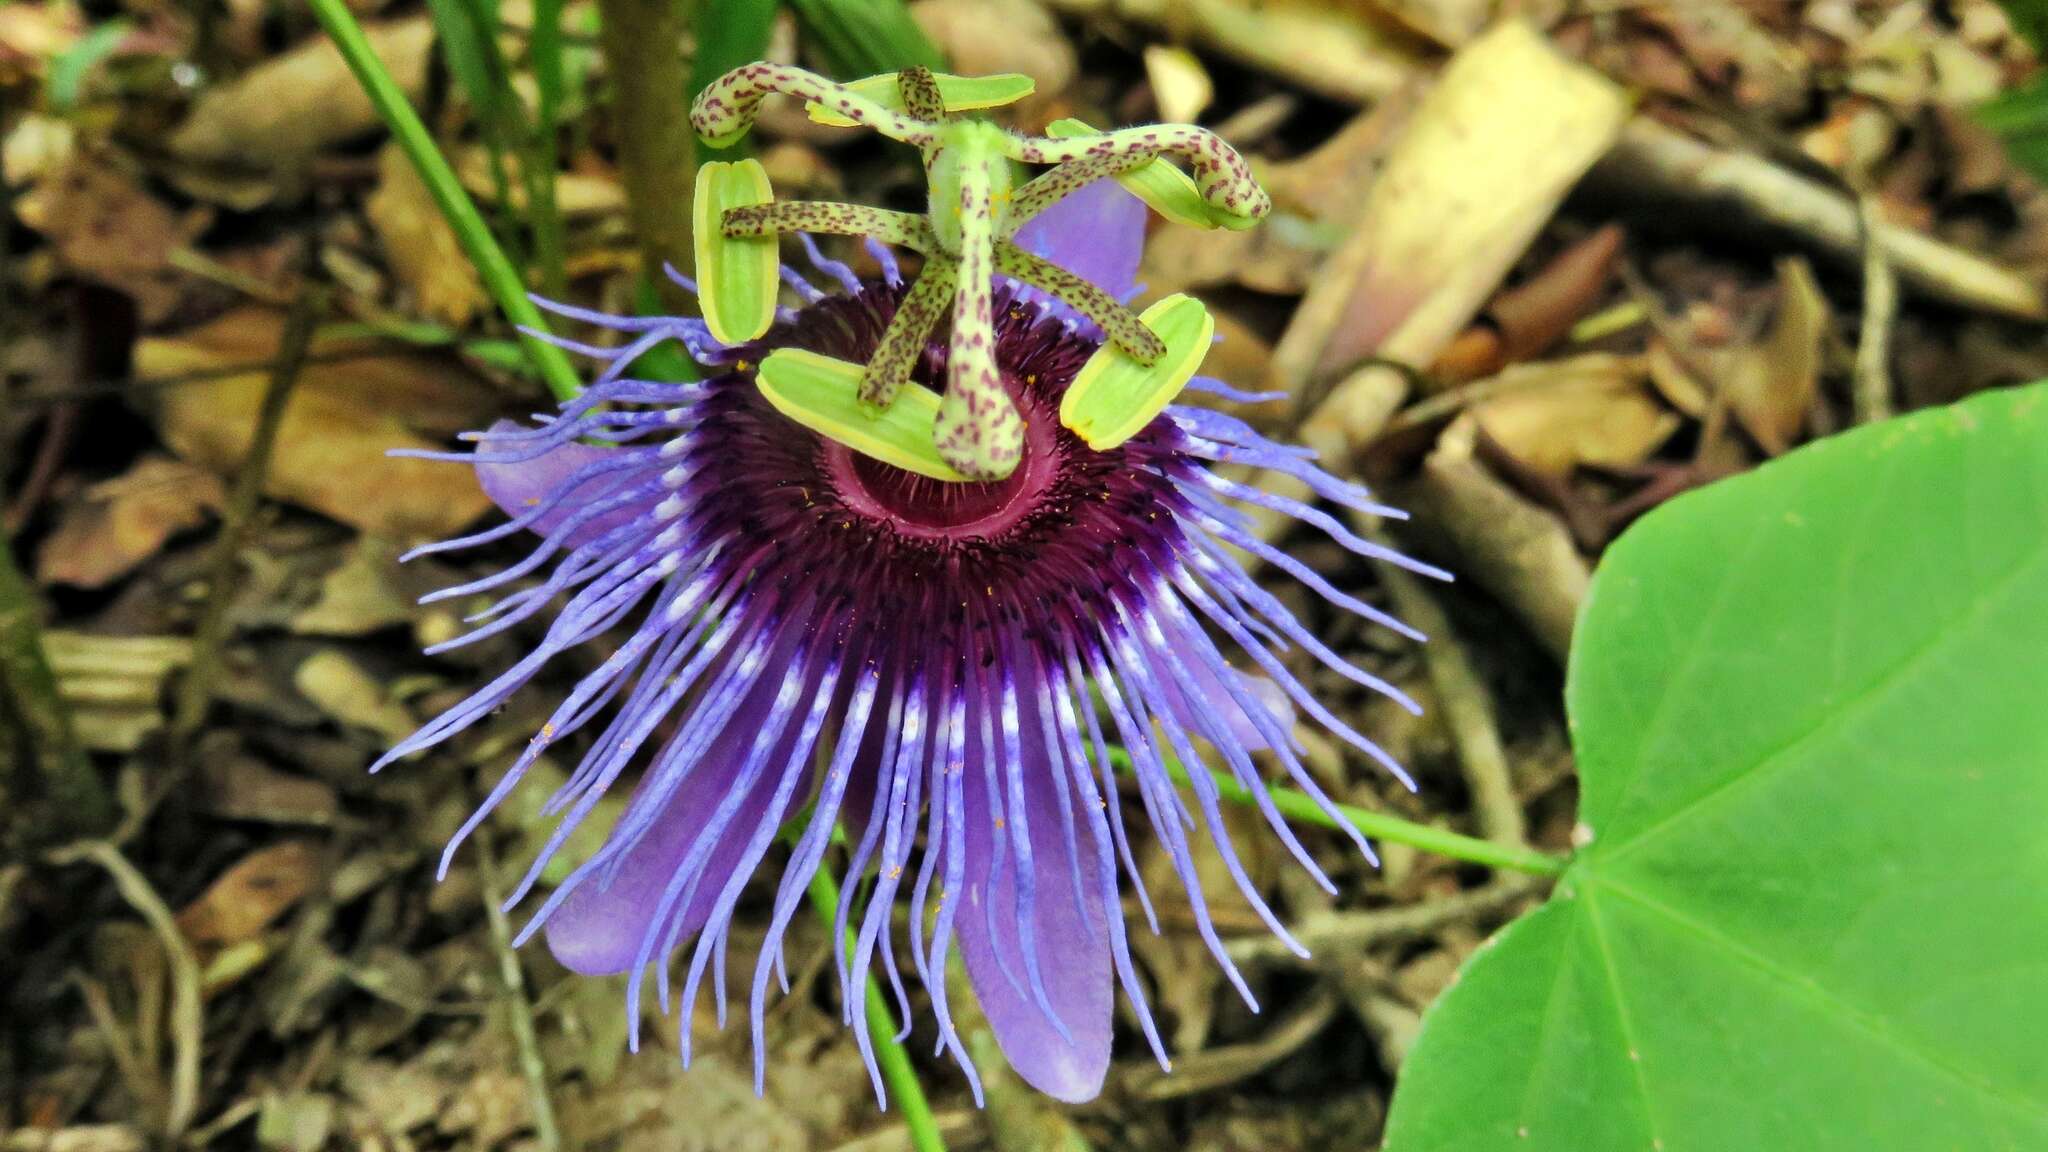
[(813, 639)]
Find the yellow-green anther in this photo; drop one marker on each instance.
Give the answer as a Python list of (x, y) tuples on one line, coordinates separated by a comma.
[(822, 394), (1113, 397), (737, 277), (904, 339), (958, 93), (1222, 176), (979, 432), (1157, 182), (1119, 323), (724, 111)]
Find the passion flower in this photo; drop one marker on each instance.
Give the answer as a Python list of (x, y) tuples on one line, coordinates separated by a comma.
[(817, 637)]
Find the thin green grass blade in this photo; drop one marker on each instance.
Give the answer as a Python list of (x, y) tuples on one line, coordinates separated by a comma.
[(498, 273)]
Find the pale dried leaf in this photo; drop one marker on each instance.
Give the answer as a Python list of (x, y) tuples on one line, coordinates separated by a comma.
[(420, 246), (281, 112), (986, 37), (107, 228), (1770, 386), (1556, 416), (117, 524), (343, 419), (340, 687), (1180, 85), (357, 597)]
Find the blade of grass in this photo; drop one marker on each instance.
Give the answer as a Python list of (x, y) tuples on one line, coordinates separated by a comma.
[(729, 33), (863, 37), (499, 276), (1299, 806), (467, 35), (896, 1070)]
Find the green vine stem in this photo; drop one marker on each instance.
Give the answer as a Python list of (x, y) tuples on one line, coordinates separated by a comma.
[(644, 61), (499, 275), (896, 1070), (1299, 806)]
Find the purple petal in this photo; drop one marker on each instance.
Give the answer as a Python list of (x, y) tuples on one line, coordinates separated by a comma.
[(1072, 941), (1214, 697), (1097, 232), (520, 488), (599, 927)]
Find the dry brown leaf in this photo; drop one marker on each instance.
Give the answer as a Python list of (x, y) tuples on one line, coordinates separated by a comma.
[(247, 897), (987, 36), (1770, 386), (108, 229), (340, 687), (1557, 416), (1508, 129), (358, 596), (281, 112), (114, 684), (420, 246), (117, 524), (1278, 258), (343, 419)]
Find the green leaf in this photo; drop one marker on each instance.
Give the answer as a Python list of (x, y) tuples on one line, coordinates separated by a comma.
[(1812, 907), (2030, 19), (2019, 119), (823, 394), (1162, 185), (1114, 396), (69, 70), (864, 37), (961, 94), (736, 275)]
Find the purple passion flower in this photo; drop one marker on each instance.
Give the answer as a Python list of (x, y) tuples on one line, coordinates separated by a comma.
[(813, 638)]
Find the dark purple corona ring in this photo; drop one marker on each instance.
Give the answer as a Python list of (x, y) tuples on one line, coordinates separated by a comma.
[(804, 638)]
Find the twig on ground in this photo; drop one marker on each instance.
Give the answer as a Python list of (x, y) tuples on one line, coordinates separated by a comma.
[(195, 691), (1206, 1071), (188, 1020), (1655, 164), (1872, 394), (547, 1134), (1466, 707), (1331, 936), (1518, 552)]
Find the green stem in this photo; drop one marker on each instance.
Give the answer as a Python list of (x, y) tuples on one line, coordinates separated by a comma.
[(644, 61), (75, 797), (1301, 807), (896, 1070), (499, 275), (545, 53)]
